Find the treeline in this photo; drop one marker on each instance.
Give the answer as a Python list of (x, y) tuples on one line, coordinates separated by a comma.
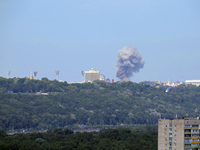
[(25, 85), (58, 139), (91, 104)]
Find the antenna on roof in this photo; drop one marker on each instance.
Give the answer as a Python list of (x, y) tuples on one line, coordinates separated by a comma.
[(57, 73), (35, 74), (8, 74)]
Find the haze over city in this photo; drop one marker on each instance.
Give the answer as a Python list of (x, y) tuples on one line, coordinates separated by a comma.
[(71, 36)]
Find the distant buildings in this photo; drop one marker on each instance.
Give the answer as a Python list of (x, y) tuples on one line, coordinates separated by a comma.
[(175, 83), (91, 75), (193, 82), (102, 77), (151, 83), (179, 134)]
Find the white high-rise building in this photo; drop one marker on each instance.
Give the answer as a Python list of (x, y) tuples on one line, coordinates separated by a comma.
[(91, 75)]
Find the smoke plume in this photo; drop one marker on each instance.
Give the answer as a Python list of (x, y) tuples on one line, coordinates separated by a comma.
[(128, 62)]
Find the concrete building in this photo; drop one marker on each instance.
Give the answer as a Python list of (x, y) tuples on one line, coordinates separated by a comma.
[(179, 134), (193, 82), (91, 75)]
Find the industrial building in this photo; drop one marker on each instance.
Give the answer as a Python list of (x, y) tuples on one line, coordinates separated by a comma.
[(179, 134), (91, 75)]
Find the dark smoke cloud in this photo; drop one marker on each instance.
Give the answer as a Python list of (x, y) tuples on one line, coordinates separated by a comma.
[(128, 62)]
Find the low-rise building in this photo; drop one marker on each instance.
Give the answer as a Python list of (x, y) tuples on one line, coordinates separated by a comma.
[(193, 82)]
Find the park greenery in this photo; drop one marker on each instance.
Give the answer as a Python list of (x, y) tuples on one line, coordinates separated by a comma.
[(92, 104), (59, 139)]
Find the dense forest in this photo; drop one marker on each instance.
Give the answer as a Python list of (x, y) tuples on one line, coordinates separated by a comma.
[(91, 104), (59, 139)]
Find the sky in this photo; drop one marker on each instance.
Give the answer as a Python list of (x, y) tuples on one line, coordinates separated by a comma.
[(75, 35)]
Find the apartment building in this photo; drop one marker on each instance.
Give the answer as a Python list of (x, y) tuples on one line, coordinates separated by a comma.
[(179, 134)]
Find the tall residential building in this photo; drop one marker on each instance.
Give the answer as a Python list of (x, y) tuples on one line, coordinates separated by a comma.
[(179, 134), (91, 75)]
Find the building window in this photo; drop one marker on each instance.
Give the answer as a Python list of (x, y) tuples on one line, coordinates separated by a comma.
[(175, 135), (166, 126), (175, 131), (175, 126), (166, 140), (165, 144)]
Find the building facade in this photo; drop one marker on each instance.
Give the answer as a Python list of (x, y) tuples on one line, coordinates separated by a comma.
[(193, 82), (179, 134), (91, 75)]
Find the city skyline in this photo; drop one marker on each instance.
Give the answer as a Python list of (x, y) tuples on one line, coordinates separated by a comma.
[(73, 36)]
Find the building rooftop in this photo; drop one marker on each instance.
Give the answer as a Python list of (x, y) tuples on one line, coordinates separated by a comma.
[(184, 117), (92, 71)]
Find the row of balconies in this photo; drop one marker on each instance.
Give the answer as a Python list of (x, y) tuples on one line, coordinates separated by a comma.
[(191, 146), (192, 135), (189, 141), (191, 131), (191, 125)]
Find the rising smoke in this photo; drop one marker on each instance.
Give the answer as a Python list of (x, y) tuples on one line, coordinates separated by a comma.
[(128, 62)]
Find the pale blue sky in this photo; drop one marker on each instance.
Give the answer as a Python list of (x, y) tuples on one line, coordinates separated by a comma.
[(75, 35)]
